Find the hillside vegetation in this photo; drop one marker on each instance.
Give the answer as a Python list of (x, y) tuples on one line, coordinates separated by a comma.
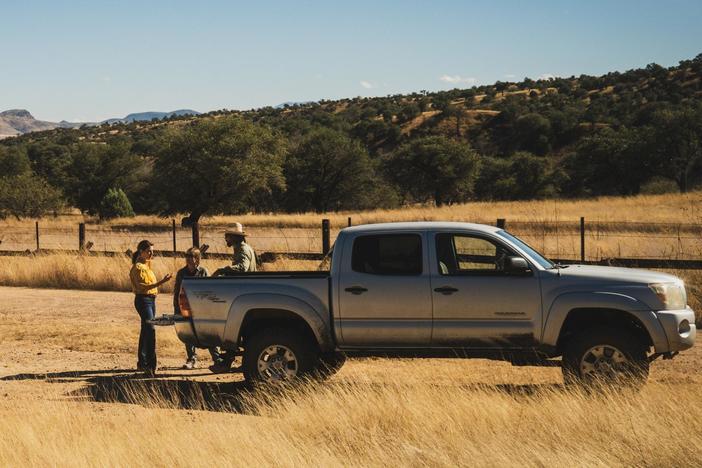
[(622, 133)]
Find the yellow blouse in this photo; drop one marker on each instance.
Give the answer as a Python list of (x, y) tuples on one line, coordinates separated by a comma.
[(141, 277)]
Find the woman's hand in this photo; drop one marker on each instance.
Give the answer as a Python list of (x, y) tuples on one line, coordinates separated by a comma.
[(166, 278)]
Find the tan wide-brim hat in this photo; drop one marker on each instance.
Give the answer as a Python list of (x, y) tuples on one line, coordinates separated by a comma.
[(238, 230)]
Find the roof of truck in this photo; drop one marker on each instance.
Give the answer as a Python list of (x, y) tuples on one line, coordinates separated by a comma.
[(421, 226)]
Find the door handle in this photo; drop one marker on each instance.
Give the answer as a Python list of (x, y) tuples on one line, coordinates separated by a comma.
[(356, 290), (446, 290)]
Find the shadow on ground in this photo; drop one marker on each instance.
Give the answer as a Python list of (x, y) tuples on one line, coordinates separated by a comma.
[(178, 391), (173, 391)]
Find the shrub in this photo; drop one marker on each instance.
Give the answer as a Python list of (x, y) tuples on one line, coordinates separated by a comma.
[(115, 204)]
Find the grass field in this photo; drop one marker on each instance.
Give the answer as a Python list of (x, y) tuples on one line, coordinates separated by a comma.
[(665, 208), (71, 398), (650, 226), (70, 395)]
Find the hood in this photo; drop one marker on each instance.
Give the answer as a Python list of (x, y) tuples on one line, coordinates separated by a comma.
[(617, 274)]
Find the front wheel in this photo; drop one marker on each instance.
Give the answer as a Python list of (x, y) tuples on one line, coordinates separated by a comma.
[(277, 355), (605, 357)]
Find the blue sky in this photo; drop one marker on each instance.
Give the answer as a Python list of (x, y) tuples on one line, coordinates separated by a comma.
[(90, 60)]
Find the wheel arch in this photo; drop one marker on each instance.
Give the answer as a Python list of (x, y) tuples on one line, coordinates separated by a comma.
[(572, 312), (580, 319), (253, 312)]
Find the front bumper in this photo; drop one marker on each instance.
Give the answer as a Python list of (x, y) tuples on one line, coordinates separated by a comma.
[(679, 327)]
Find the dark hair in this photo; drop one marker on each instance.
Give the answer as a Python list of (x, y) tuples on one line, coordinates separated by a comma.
[(141, 246)]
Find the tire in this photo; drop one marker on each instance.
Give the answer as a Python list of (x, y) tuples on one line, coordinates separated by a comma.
[(330, 364), (605, 357), (276, 355)]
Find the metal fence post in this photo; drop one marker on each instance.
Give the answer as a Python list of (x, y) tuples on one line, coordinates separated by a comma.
[(326, 245), (174, 237), (36, 226), (81, 237), (501, 223), (582, 239)]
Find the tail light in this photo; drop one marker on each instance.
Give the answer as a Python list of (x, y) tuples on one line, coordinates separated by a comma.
[(184, 304)]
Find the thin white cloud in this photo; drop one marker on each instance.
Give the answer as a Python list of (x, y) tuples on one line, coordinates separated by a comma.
[(456, 79), (367, 84), (546, 76), (510, 76)]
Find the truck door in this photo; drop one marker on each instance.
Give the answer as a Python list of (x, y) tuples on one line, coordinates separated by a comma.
[(476, 303), (384, 294)]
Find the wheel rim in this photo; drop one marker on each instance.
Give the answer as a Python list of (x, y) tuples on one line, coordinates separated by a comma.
[(604, 362), (277, 363)]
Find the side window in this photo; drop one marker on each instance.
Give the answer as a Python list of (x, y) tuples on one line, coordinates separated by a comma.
[(467, 254), (388, 254)]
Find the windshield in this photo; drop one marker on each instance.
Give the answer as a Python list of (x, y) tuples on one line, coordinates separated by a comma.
[(536, 256)]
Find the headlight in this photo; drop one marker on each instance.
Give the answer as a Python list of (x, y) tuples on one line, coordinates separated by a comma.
[(672, 295)]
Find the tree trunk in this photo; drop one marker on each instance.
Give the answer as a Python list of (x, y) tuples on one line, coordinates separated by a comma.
[(682, 181)]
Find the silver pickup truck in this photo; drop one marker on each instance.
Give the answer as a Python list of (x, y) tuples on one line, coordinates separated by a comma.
[(439, 289)]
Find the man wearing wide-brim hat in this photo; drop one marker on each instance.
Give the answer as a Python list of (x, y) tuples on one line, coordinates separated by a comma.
[(244, 255)]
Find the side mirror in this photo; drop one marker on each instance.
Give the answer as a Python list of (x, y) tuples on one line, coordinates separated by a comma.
[(516, 265)]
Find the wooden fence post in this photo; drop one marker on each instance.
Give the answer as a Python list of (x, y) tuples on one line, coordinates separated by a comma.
[(501, 223), (81, 237), (326, 245), (174, 237), (196, 234), (349, 221), (36, 226), (582, 239)]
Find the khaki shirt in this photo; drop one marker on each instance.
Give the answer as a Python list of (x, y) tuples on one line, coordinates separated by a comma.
[(244, 258)]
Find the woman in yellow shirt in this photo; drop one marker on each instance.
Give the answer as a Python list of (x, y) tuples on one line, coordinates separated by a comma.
[(145, 289)]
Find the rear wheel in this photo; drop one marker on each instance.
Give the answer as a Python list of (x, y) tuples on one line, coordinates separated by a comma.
[(605, 357), (277, 355)]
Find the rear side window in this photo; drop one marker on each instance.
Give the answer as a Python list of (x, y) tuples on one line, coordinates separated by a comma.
[(388, 254)]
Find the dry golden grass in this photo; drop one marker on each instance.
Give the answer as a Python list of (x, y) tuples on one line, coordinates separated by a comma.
[(112, 273), (666, 208), (353, 424), (100, 273), (551, 226), (69, 398)]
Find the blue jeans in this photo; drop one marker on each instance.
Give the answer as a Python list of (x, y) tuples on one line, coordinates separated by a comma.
[(146, 355)]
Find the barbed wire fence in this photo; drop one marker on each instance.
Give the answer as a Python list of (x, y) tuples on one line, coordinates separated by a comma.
[(571, 241)]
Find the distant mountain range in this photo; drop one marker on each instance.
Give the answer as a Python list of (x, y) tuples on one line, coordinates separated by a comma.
[(148, 116), (19, 121)]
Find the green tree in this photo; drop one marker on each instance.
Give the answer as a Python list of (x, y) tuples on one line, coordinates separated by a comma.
[(14, 161), (611, 162), (328, 171), (522, 176), (455, 112), (28, 196), (218, 166), (95, 168), (434, 168), (115, 204), (677, 144), (532, 133)]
